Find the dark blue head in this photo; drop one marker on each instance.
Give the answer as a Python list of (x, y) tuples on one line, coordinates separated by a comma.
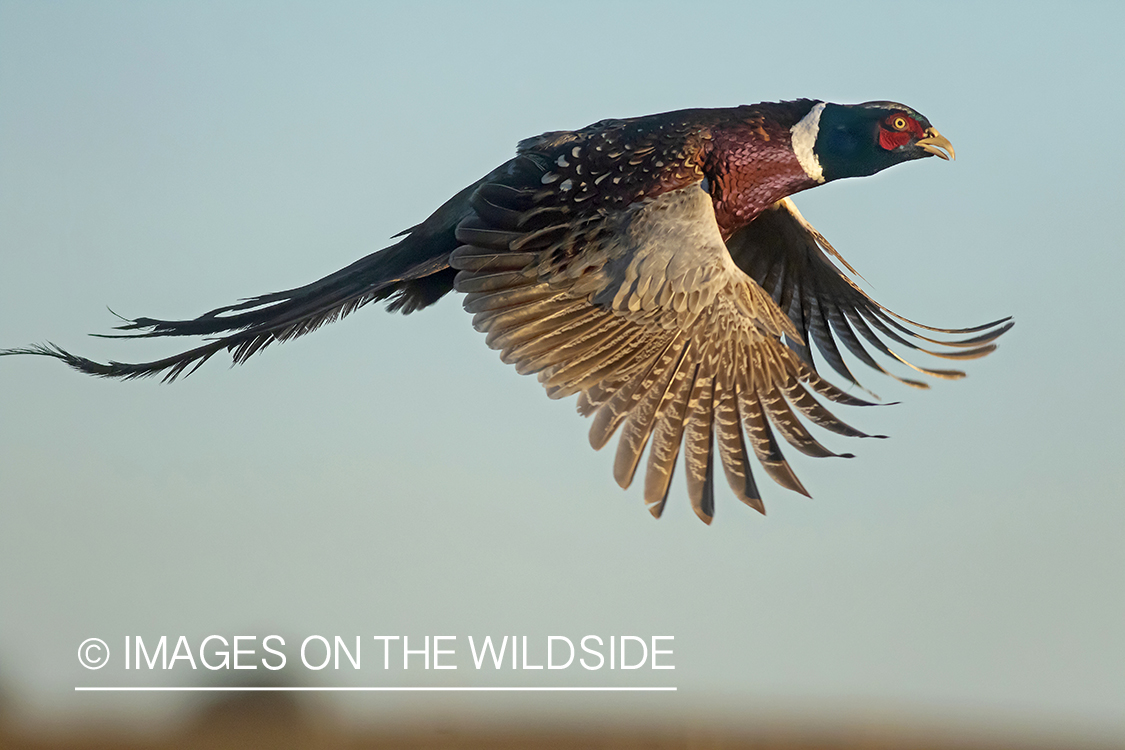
[(855, 140)]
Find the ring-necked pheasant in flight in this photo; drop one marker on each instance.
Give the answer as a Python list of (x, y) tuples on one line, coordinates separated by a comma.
[(653, 266)]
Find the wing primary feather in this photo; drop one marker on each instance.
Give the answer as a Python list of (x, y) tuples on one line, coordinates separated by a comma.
[(515, 334), (698, 447), (592, 399), (732, 446), (876, 321), (791, 428), (765, 444), (973, 329), (588, 346), (547, 353), (985, 338), (773, 278), (831, 392), (518, 326), (878, 344), (657, 508), (573, 350), (668, 435), (796, 313), (704, 503), (638, 426), (821, 333), (496, 302), (625, 359), (618, 354), (816, 413), (616, 408), (770, 397), (847, 335)]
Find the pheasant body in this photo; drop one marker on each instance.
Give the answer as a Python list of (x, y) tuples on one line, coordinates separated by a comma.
[(655, 267)]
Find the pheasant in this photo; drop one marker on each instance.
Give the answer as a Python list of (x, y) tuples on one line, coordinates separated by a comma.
[(653, 266)]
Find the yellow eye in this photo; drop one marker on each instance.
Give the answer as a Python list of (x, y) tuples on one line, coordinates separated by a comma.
[(899, 123)]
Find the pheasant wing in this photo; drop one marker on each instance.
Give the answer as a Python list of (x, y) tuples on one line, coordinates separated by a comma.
[(636, 306), (789, 259)]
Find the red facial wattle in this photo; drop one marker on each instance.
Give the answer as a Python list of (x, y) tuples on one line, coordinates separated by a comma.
[(891, 137)]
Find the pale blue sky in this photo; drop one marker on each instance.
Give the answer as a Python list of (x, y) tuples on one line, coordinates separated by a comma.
[(390, 475)]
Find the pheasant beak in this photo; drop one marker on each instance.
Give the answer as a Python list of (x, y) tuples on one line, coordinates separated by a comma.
[(937, 144)]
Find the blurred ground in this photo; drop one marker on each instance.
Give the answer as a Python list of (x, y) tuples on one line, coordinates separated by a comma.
[(282, 720)]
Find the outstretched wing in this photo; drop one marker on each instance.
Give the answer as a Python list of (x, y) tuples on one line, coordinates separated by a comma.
[(787, 257), (639, 308)]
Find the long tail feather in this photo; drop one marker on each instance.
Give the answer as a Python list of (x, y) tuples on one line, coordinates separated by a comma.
[(413, 273)]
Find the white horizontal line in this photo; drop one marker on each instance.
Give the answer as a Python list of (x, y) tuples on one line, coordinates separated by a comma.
[(376, 689)]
